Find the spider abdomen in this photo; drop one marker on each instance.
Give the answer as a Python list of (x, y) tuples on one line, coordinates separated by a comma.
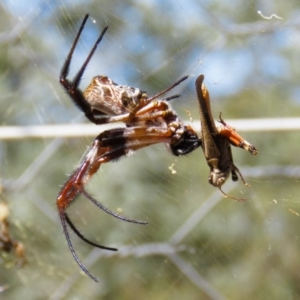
[(106, 96)]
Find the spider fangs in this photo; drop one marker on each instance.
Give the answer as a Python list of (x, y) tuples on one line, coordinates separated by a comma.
[(148, 121)]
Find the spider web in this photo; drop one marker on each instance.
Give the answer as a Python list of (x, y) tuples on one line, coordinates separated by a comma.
[(197, 245)]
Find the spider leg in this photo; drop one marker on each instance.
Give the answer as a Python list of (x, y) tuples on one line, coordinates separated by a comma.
[(98, 204), (145, 106), (62, 202), (71, 87), (79, 234), (133, 113), (63, 218), (121, 141), (168, 89), (79, 74), (144, 113), (108, 146), (66, 66), (74, 186), (88, 196)]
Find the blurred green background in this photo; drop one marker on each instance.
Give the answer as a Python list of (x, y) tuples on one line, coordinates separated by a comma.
[(197, 244)]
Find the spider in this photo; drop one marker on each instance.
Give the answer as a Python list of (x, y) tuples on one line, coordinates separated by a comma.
[(148, 121)]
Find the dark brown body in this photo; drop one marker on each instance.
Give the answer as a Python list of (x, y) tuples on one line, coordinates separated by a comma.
[(216, 142)]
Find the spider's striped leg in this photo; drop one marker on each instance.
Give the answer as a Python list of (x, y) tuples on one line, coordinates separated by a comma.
[(71, 86), (75, 185), (108, 146), (149, 100), (66, 66), (121, 141), (115, 143), (71, 190)]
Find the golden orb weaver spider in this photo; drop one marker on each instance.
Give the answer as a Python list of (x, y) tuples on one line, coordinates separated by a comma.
[(148, 121)]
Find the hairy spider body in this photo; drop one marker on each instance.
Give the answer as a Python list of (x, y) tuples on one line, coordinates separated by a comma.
[(106, 96)]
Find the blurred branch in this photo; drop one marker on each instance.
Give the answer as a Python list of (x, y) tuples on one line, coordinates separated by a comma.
[(144, 250), (195, 277), (124, 251), (78, 130), (34, 168), (197, 216), (292, 171)]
